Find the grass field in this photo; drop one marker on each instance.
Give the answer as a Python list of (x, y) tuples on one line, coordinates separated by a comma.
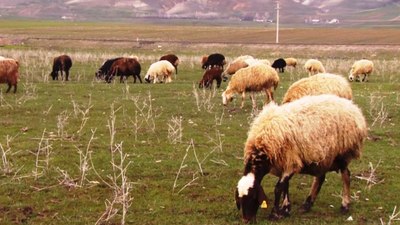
[(86, 152)]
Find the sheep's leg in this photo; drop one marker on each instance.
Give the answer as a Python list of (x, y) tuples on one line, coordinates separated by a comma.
[(270, 96), (253, 100), (315, 188), (9, 87), (138, 76), (281, 188), (365, 78), (243, 97), (346, 190), (66, 75)]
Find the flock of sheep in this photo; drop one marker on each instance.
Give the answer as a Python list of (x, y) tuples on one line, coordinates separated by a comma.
[(316, 129)]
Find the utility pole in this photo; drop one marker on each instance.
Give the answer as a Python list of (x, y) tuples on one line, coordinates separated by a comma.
[(277, 22)]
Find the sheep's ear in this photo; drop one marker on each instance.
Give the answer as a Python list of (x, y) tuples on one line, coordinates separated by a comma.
[(262, 198), (237, 199)]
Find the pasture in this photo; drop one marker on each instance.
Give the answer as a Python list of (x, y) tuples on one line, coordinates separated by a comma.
[(87, 152)]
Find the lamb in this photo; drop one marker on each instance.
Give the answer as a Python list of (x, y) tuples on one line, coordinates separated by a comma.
[(209, 76), (314, 66), (322, 83), (361, 67), (312, 135), (256, 78), (212, 60), (279, 64), (159, 72), (173, 59), (291, 62), (9, 72)]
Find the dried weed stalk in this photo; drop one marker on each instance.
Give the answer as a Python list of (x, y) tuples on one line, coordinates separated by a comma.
[(395, 216), (370, 176), (204, 98), (183, 165), (42, 156), (175, 130)]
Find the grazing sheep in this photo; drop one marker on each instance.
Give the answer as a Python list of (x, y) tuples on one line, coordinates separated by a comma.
[(291, 62), (361, 67), (237, 64), (322, 83), (209, 76), (124, 67), (279, 64), (61, 63), (312, 135), (256, 78), (159, 72), (105, 68), (250, 62), (173, 59), (212, 60), (314, 66), (9, 72)]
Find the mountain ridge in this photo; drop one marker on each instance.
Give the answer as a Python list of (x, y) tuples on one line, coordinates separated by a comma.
[(292, 11)]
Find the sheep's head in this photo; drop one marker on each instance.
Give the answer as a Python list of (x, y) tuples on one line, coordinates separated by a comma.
[(249, 193), (226, 97), (147, 78), (54, 75)]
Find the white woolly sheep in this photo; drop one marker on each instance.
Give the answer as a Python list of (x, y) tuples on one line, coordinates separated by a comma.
[(312, 135), (361, 67), (256, 78), (9, 73), (159, 72), (291, 62), (322, 83), (314, 66)]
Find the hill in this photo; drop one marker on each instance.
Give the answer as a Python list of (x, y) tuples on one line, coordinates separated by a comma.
[(292, 11)]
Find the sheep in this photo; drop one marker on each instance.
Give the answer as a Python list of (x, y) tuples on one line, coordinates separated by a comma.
[(279, 64), (361, 67), (291, 62), (322, 83), (159, 72), (312, 135), (173, 59), (314, 66), (61, 63), (9, 72), (212, 60), (256, 78), (237, 64), (209, 76)]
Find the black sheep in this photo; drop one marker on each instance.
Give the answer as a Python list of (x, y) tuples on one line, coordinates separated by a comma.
[(279, 64)]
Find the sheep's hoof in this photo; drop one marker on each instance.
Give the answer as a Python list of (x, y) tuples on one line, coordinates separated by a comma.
[(344, 209), (305, 208), (275, 216)]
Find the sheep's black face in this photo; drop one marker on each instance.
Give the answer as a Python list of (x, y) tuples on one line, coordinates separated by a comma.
[(249, 196), (99, 75), (147, 79), (54, 75), (248, 205)]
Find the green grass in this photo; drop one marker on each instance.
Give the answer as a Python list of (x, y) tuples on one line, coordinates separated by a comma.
[(39, 103)]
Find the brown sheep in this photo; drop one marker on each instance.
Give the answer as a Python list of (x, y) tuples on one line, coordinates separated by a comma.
[(173, 59), (209, 76), (60, 64), (9, 73), (124, 67)]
